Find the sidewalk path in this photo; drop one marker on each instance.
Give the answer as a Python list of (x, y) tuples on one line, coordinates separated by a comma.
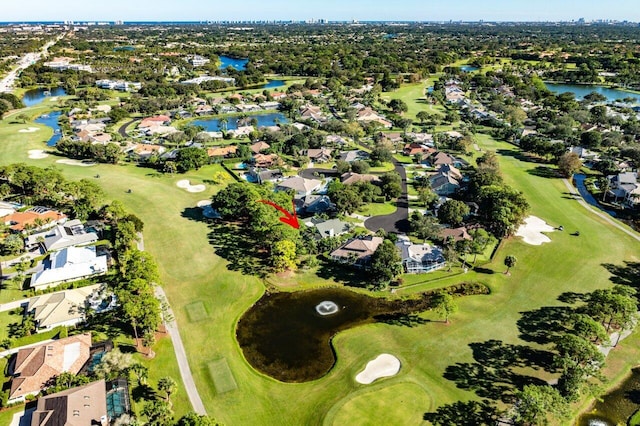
[(183, 364), (603, 216), (15, 350)]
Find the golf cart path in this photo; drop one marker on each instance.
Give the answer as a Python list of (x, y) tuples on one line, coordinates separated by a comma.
[(603, 216), (183, 364)]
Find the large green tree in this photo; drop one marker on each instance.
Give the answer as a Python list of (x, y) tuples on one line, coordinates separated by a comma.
[(385, 263)]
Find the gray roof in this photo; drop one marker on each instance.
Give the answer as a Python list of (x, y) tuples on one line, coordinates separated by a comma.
[(72, 233), (332, 227)]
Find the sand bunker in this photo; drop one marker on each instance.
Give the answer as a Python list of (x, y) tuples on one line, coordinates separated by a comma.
[(76, 163), (37, 154), (532, 231), (384, 365), (203, 203), (185, 184), (29, 130)]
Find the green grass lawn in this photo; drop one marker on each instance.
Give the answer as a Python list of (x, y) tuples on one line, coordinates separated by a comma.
[(192, 273), (414, 96), (377, 209)]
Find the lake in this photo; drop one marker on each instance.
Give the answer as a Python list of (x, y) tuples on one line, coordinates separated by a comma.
[(51, 120), (228, 61), (616, 406), (264, 120), (468, 68), (36, 96), (273, 83), (581, 90)]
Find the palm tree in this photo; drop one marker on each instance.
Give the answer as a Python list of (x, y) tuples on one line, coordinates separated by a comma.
[(141, 372), (168, 386), (223, 123)]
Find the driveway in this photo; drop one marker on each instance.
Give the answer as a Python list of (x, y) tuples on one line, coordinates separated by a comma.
[(123, 129), (312, 173), (582, 189), (398, 221)]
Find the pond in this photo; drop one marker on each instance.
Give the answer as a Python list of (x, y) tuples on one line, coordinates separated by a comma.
[(36, 96), (264, 120), (617, 406), (51, 120), (581, 90), (273, 83), (468, 68), (228, 61), (288, 335)]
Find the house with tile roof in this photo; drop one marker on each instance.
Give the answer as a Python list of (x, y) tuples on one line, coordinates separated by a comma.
[(34, 218), (259, 147), (320, 155), (357, 251), (82, 405), (350, 178), (457, 234), (33, 367)]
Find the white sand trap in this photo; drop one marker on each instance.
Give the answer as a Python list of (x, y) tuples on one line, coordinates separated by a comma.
[(29, 130), (185, 184), (76, 163), (384, 365), (37, 154), (53, 99), (532, 231), (203, 203)]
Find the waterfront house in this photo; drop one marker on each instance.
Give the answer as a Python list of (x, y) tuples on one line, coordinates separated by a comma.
[(357, 251), (419, 258)]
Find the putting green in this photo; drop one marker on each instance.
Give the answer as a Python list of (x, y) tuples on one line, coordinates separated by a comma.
[(396, 404)]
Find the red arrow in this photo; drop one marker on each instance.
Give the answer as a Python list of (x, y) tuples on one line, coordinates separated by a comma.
[(289, 219)]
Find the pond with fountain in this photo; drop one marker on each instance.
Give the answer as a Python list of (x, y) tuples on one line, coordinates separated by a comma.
[(288, 335)]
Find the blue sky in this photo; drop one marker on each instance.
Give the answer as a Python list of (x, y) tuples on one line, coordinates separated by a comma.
[(426, 10)]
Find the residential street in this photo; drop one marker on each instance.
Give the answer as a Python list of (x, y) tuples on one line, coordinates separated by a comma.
[(398, 221)]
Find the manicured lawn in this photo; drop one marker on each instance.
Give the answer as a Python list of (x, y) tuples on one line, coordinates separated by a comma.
[(414, 96), (193, 273), (6, 415), (377, 209)]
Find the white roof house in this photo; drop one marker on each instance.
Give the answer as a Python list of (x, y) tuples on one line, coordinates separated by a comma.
[(300, 185), (70, 264)]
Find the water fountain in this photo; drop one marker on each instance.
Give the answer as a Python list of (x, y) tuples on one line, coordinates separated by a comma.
[(326, 307)]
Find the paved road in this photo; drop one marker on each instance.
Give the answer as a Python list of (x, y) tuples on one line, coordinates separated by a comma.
[(311, 173), (123, 129), (582, 189), (604, 216), (183, 364), (6, 84), (398, 221)]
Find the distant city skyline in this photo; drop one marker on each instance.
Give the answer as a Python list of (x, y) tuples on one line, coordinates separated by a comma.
[(331, 10)]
